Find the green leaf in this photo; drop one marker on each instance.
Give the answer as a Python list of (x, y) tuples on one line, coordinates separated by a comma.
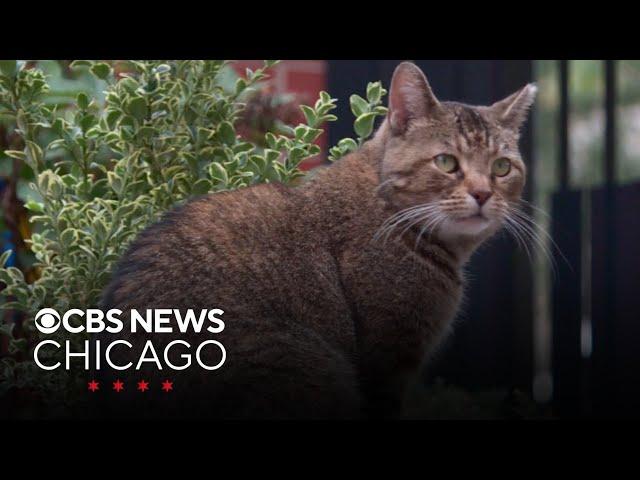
[(287, 130), (68, 237), (359, 105), (158, 114), (312, 135), (115, 182), (227, 133), (138, 108), (82, 100), (328, 118), (348, 145), (374, 92), (218, 173), (4, 257), (163, 68), (129, 84), (242, 147), (87, 122), (325, 97), (241, 85), (35, 152), (147, 132), (101, 70), (111, 117), (313, 150), (201, 187), (21, 120), (100, 229), (81, 63), (15, 274), (271, 156), (34, 206), (300, 131), (309, 115), (8, 67), (17, 154), (270, 139), (335, 153), (364, 125)]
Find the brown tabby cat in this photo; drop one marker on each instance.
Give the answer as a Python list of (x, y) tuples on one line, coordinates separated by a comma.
[(334, 292)]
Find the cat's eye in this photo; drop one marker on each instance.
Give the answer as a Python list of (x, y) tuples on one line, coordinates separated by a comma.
[(501, 167), (446, 163)]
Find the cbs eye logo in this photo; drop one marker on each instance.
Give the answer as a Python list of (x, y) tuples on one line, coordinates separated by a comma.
[(47, 320)]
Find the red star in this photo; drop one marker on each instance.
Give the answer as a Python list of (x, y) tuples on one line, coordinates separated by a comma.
[(143, 386), (118, 386), (93, 386), (167, 385)]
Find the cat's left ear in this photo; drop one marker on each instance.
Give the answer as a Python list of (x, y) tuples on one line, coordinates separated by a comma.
[(512, 111), (410, 97)]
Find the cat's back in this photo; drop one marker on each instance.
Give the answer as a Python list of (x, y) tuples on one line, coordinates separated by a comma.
[(217, 240)]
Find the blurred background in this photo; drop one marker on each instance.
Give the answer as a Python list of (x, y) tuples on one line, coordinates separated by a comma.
[(550, 333)]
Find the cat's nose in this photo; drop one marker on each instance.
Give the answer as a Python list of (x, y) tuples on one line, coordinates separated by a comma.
[(481, 196)]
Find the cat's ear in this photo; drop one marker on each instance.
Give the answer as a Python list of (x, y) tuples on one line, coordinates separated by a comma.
[(512, 111), (410, 97)]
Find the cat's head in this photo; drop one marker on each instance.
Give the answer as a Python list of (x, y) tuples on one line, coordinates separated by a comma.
[(453, 169)]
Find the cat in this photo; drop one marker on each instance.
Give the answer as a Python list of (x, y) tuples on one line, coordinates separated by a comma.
[(335, 291)]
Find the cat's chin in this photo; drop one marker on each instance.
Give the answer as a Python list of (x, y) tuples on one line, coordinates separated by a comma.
[(464, 235), (471, 227)]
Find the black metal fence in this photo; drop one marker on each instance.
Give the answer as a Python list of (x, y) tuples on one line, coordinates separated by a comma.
[(600, 231)]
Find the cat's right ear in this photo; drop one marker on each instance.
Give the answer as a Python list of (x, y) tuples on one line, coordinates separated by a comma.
[(410, 97)]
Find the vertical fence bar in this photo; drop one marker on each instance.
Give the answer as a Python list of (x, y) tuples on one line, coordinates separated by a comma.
[(566, 226), (610, 129), (564, 124), (604, 387)]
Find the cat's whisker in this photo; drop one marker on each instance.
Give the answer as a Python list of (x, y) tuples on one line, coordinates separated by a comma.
[(518, 236), (411, 221), (426, 225), (530, 233), (431, 226), (536, 208), (416, 222), (407, 211), (418, 219), (387, 228), (427, 215), (522, 235), (409, 214), (400, 218), (539, 229), (391, 222)]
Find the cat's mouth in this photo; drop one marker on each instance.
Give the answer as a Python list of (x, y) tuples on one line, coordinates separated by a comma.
[(470, 224), (476, 217)]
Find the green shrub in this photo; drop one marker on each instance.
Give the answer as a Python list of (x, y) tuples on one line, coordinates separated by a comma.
[(105, 170)]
